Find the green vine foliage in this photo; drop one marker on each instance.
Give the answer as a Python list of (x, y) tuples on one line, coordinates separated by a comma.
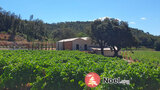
[(59, 70)]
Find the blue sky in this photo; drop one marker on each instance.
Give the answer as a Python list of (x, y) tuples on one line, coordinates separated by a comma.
[(141, 14)]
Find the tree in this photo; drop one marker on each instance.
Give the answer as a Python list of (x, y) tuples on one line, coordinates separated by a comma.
[(157, 45), (100, 32), (121, 37), (81, 34), (112, 33), (31, 18), (63, 33)]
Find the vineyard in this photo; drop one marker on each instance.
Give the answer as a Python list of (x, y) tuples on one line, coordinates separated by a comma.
[(7, 45), (148, 57), (58, 70)]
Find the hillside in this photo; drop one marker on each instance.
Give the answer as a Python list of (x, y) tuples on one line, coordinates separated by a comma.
[(36, 29)]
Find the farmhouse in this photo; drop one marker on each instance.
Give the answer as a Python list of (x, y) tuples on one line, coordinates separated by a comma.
[(82, 44)]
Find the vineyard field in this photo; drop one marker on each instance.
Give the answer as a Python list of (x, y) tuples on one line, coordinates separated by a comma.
[(59, 70), (149, 57)]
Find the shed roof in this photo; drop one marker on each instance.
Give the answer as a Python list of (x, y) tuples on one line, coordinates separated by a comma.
[(105, 49), (98, 49), (72, 39)]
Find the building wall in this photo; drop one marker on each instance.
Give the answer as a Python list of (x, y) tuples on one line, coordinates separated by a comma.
[(67, 45), (81, 44), (106, 52), (59, 46)]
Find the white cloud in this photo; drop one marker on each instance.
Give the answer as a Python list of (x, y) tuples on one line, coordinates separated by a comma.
[(118, 19), (143, 18), (132, 23), (102, 18)]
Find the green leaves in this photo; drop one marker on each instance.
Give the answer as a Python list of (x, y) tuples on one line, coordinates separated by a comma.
[(67, 69)]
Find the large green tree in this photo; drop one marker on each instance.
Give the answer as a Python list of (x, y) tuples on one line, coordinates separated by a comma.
[(100, 33), (112, 33), (157, 45)]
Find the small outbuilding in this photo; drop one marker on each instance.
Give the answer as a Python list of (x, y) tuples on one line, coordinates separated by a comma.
[(107, 51)]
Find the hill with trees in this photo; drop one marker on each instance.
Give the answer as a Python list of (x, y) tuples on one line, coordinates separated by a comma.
[(36, 29)]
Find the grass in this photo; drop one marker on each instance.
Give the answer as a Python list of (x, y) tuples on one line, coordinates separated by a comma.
[(145, 56), (150, 54)]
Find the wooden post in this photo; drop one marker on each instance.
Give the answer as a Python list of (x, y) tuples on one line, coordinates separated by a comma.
[(52, 46), (32, 45), (126, 56), (35, 45), (27, 45), (123, 54), (46, 46), (38, 45), (41, 45)]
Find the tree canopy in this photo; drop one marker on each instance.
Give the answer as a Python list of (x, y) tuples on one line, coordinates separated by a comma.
[(157, 45), (112, 33)]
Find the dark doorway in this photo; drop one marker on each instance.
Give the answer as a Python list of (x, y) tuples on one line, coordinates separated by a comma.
[(77, 46), (85, 47)]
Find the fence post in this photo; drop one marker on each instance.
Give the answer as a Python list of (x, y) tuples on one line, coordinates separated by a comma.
[(123, 55), (52, 46), (49, 45), (27, 46), (41, 45), (32, 45), (38, 45), (35, 46), (45, 46)]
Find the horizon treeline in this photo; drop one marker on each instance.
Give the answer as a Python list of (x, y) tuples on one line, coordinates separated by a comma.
[(36, 29)]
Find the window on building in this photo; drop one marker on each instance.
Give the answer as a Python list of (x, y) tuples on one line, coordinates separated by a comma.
[(85, 47), (77, 46)]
